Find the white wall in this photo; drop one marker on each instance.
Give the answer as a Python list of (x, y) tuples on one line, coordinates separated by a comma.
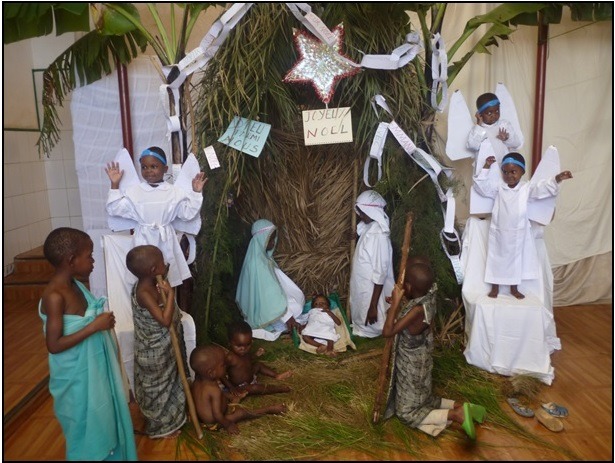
[(39, 194)]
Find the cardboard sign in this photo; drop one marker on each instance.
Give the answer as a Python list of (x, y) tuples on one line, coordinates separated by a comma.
[(327, 126), (246, 135)]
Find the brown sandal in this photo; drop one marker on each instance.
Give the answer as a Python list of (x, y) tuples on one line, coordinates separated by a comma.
[(548, 421)]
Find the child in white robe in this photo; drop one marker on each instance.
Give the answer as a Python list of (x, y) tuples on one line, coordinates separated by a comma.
[(511, 251), (154, 204), (489, 126), (320, 328), (371, 276)]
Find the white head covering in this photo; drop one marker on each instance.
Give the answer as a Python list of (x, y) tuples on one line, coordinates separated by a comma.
[(372, 204)]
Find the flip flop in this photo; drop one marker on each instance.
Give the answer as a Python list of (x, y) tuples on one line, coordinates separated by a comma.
[(548, 421), (468, 422), (554, 409), (478, 412), (520, 409)]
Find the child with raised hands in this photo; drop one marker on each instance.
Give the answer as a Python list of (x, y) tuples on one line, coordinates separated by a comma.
[(511, 250)]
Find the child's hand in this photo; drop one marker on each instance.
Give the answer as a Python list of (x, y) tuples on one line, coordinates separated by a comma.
[(115, 174), (198, 182), (565, 175), (490, 160), (396, 296), (285, 375), (104, 321), (165, 288), (259, 352), (502, 134), (479, 119)]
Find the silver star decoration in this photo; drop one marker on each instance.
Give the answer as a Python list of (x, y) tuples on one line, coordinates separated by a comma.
[(320, 64)]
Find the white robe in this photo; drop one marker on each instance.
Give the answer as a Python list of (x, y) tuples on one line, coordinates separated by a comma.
[(372, 264), (154, 208), (320, 326), (500, 148), (511, 250)]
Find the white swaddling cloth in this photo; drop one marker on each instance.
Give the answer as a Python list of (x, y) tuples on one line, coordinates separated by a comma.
[(320, 326)]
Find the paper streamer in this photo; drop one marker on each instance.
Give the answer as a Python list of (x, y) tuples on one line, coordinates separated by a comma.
[(439, 72), (430, 165)]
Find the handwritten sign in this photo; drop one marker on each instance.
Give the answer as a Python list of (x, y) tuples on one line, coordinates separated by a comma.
[(212, 159), (246, 135), (327, 126)]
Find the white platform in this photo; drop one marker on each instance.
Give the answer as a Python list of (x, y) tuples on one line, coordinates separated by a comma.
[(506, 335)]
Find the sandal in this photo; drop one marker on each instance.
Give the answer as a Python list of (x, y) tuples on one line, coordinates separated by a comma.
[(548, 421), (468, 422), (520, 409), (554, 409)]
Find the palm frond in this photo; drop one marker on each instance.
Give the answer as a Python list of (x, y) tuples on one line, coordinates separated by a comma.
[(87, 60)]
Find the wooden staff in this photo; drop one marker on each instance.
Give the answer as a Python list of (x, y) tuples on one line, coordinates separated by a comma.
[(385, 369), (182, 372), (353, 226)]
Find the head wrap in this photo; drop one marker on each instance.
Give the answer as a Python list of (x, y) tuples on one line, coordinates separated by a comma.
[(148, 152), (493, 102), (372, 204), (259, 295), (517, 159)]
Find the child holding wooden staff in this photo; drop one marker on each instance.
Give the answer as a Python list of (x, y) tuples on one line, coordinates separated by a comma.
[(410, 394), (158, 380)]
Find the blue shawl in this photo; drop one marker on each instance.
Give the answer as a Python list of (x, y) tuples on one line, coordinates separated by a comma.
[(260, 296)]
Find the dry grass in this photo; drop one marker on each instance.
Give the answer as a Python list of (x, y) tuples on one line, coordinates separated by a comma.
[(330, 408)]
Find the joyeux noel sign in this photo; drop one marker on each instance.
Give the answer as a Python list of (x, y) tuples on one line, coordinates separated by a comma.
[(327, 126)]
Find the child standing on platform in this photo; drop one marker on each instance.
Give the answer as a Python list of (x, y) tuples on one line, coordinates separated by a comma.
[(85, 379), (158, 386), (490, 126), (511, 251), (154, 204)]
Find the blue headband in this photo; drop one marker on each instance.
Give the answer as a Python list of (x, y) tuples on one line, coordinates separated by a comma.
[(513, 161), (148, 152), (488, 105)]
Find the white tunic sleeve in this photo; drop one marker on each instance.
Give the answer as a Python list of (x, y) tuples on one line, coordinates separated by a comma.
[(475, 137), (484, 185), (119, 205), (190, 205), (544, 188)]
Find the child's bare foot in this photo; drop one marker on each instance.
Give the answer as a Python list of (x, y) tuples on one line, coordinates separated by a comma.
[(331, 353), (285, 375), (495, 289), (278, 409), (515, 292), (321, 349)]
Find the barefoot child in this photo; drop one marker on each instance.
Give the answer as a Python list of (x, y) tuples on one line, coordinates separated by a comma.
[(84, 373), (213, 409), (157, 381), (320, 329), (410, 395), (242, 370), (511, 251)]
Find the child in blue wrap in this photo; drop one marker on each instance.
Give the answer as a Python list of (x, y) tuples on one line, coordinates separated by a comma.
[(85, 379)]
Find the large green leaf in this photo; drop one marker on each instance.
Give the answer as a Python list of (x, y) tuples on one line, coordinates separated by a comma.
[(118, 19), (22, 21)]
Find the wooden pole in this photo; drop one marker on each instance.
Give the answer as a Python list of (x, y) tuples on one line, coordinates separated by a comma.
[(182, 372), (388, 346), (539, 102), (353, 225)]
